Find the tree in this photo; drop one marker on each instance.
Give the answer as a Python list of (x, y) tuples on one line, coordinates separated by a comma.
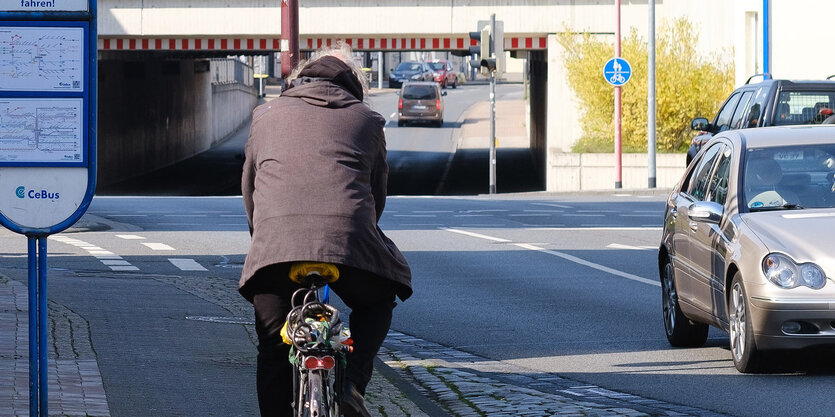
[(687, 85)]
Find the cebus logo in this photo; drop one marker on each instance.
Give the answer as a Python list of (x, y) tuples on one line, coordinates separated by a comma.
[(21, 192)]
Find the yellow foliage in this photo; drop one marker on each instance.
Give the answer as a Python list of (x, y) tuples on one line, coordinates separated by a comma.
[(686, 86)]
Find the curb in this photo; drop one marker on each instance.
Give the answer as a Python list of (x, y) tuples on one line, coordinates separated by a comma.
[(409, 391)]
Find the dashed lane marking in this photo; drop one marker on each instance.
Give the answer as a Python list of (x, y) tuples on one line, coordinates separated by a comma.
[(107, 258), (187, 264), (158, 246), (130, 237)]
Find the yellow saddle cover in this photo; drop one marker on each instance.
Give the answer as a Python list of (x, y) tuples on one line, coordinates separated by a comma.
[(299, 270)]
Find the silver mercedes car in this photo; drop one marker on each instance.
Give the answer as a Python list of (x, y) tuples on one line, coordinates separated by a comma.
[(749, 243)]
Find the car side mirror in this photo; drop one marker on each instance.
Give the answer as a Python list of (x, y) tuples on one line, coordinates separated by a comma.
[(443, 93), (705, 211), (699, 123)]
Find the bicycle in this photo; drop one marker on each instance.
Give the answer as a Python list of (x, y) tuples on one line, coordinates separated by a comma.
[(318, 342)]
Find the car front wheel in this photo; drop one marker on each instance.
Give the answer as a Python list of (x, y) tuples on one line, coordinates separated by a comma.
[(681, 332), (747, 358)]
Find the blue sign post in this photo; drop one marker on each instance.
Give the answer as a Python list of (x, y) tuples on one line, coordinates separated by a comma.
[(48, 63), (617, 71)]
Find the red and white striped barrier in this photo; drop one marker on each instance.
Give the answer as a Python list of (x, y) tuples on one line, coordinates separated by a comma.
[(309, 44)]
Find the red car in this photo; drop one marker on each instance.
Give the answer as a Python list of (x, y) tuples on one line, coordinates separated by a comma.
[(444, 73)]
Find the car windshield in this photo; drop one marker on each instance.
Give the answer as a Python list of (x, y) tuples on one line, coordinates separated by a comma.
[(408, 66), (419, 92), (804, 107), (437, 66), (789, 177)]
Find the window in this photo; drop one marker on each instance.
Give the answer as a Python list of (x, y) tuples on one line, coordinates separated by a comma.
[(737, 123), (803, 107), (437, 66), (701, 175), (419, 92), (723, 119), (718, 189), (757, 106)]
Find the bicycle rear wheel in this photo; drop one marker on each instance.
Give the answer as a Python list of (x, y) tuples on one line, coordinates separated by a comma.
[(318, 398)]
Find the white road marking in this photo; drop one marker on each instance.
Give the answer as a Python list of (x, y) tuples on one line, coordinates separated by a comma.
[(130, 237), (124, 268), (187, 264), (629, 247), (115, 262), (127, 215), (552, 205), (565, 256), (110, 259), (480, 236), (158, 246), (529, 215)]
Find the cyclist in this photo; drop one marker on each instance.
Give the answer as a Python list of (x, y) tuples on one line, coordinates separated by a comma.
[(314, 188)]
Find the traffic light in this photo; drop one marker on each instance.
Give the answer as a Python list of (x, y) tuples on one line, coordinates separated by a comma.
[(485, 40)]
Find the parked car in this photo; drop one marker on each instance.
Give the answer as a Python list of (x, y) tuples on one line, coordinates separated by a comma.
[(747, 243), (410, 71), (767, 103), (445, 75), (420, 101)]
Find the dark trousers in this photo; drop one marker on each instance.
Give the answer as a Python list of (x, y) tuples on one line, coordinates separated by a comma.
[(371, 300)]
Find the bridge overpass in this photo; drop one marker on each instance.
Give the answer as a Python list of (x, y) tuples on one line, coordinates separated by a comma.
[(162, 100)]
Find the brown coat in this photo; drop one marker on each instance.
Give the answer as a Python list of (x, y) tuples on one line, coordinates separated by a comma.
[(314, 180)]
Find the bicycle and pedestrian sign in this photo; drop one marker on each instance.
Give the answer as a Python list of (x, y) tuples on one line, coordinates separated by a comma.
[(617, 71)]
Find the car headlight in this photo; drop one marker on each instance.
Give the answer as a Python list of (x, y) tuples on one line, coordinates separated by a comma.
[(784, 272), (416, 77)]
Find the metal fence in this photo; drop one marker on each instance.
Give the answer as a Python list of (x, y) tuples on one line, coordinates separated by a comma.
[(231, 71)]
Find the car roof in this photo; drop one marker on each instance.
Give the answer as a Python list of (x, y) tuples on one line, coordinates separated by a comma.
[(419, 83), (765, 137)]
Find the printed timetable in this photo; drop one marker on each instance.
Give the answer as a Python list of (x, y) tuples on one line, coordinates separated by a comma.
[(41, 58), (41, 130)]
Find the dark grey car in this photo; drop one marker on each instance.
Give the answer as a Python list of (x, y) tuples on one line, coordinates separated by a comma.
[(410, 71)]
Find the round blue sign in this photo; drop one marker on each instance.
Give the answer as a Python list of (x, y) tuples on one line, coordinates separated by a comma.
[(617, 71)]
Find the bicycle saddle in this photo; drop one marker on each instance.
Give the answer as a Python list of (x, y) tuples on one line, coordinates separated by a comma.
[(299, 271)]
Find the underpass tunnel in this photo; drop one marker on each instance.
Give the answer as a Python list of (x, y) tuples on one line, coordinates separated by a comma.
[(158, 108)]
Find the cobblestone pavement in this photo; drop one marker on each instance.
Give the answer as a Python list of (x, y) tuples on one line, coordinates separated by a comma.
[(75, 385)]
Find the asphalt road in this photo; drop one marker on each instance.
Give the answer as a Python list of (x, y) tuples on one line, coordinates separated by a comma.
[(561, 284)]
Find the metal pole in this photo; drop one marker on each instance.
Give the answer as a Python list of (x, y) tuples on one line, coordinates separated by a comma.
[(618, 166), (651, 99), (380, 70), (42, 328), (493, 107), (33, 327), (492, 132), (289, 36), (767, 38)]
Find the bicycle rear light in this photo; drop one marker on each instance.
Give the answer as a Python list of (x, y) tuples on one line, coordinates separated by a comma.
[(315, 363)]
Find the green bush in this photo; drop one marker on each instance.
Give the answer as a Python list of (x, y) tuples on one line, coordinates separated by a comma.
[(687, 85)]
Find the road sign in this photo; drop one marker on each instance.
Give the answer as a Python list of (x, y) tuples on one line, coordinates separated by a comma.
[(47, 116), (617, 71)]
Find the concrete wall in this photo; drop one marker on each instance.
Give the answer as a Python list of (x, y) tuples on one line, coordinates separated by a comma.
[(154, 112), (575, 172)]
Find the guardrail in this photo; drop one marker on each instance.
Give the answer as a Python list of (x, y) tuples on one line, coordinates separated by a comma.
[(231, 71)]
